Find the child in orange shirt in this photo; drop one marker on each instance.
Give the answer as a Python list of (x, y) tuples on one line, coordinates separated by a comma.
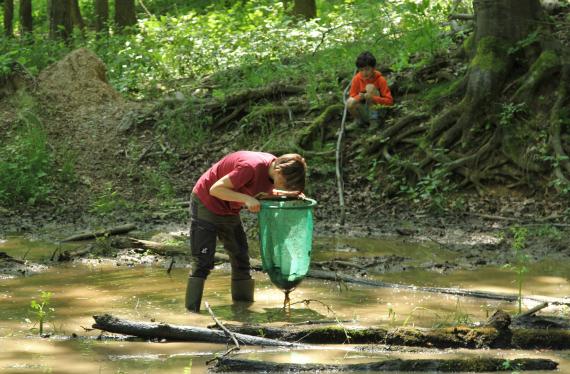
[(368, 89)]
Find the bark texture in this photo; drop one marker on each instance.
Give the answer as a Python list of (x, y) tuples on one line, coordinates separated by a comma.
[(26, 21), (305, 8), (101, 15), (125, 14), (60, 23), (9, 18)]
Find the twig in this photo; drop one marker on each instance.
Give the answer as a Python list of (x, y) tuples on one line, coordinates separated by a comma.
[(324, 34), (532, 311), (338, 156), (170, 266), (462, 17), (329, 309), (54, 252), (439, 243), (228, 332), (145, 8), (28, 251)]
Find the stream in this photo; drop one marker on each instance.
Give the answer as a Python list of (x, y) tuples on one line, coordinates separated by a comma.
[(148, 293)]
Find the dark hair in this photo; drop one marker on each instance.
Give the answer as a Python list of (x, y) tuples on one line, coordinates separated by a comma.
[(365, 59), (293, 168)]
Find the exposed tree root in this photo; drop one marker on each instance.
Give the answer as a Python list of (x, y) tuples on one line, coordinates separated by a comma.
[(318, 126), (556, 121)]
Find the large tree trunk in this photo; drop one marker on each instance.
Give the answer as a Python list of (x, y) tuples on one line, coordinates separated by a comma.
[(60, 24), (499, 25), (76, 17), (305, 8), (125, 14), (101, 15), (26, 21), (8, 18)]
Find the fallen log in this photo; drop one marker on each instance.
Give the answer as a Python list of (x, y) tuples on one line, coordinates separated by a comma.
[(166, 331), (451, 337), (158, 248), (494, 333), (473, 365), (93, 235)]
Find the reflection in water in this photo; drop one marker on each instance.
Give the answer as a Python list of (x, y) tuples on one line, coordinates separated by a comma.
[(145, 294)]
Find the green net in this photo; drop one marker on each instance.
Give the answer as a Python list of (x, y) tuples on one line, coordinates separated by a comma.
[(286, 236)]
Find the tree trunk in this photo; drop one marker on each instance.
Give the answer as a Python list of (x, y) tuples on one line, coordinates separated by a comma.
[(26, 21), (76, 17), (305, 8), (101, 15), (499, 24), (8, 18), (125, 13), (60, 25)]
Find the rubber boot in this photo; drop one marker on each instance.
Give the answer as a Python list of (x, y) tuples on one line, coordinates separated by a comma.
[(194, 292), (243, 290)]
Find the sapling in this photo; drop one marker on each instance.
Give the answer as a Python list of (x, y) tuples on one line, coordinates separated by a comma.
[(521, 259), (42, 310)]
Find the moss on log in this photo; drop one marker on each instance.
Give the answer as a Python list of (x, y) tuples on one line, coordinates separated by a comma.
[(450, 337), (318, 126), (473, 365)]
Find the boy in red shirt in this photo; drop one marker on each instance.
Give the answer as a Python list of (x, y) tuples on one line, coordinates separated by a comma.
[(238, 180), (368, 89)]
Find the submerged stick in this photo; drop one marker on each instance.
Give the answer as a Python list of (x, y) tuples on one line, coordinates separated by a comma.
[(93, 235)]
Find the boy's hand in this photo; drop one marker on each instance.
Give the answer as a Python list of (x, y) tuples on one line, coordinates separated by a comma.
[(253, 205)]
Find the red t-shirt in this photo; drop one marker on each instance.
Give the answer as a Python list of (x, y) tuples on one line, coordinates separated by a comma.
[(358, 85), (249, 173)]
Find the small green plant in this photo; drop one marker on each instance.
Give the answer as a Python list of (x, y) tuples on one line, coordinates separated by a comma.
[(391, 314), (188, 368), (41, 310), (521, 259), (509, 112), (411, 316), (108, 201)]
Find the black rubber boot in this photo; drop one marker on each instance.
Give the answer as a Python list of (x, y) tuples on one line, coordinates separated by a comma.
[(243, 290), (194, 291)]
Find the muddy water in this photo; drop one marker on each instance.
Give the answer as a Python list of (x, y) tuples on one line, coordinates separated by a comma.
[(149, 293)]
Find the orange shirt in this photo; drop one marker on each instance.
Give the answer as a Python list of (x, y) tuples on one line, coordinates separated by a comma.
[(359, 85)]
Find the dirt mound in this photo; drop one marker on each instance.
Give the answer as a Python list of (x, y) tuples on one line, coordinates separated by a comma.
[(79, 79)]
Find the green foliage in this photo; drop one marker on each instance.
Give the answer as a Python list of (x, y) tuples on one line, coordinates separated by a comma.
[(184, 128), (108, 201), (432, 189), (509, 112), (26, 163), (521, 259), (182, 40), (41, 310)]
